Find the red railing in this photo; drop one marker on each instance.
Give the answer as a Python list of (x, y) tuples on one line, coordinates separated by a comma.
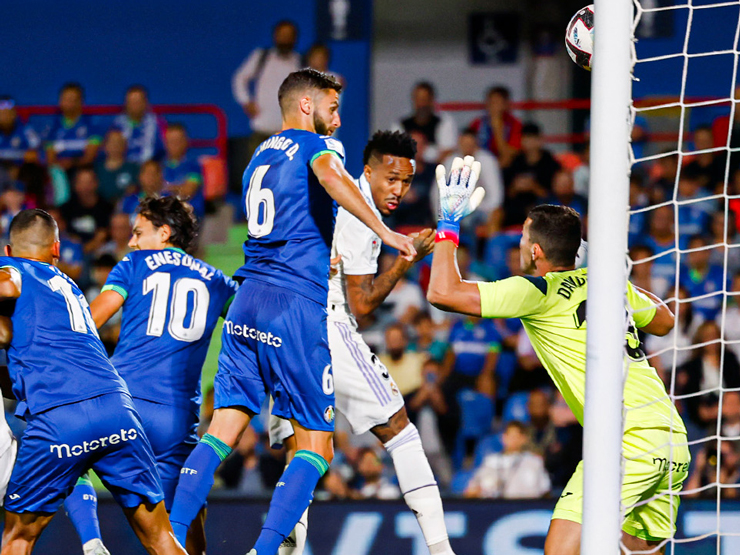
[(585, 104), (219, 142)]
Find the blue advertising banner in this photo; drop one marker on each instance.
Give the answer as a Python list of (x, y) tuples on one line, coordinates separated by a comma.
[(369, 528)]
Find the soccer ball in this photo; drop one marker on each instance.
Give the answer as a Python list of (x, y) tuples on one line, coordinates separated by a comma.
[(579, 37)]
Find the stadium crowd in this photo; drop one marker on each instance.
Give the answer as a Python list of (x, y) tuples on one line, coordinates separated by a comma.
[(491, 421)]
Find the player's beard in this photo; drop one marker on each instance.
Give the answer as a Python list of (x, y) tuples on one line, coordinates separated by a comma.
[(320, 125)]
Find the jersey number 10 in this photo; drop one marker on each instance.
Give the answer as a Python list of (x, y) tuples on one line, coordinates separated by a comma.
[(159, 285)]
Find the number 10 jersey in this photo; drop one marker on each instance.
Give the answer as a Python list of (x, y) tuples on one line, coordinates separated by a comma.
[(290, 215), (172, 303)]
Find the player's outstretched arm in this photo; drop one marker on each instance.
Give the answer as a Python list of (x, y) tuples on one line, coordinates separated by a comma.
[(663, 321), (104, 306), (365, 293), (447, 290), (339, 184)]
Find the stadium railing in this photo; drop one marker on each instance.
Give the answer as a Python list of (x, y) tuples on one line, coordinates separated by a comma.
[(207, 127)]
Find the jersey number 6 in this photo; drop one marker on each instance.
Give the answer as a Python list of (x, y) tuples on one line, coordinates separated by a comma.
[(260, 200)]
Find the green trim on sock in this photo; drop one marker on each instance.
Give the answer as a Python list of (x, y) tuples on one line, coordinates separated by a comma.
[(84, 480), (221, 449), (315, 459)]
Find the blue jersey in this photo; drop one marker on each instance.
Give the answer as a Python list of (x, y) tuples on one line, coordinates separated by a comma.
[(56, 357), (290, 215), (14, 145), (172, 303), (472, 342), (69, 139), (177, 173)]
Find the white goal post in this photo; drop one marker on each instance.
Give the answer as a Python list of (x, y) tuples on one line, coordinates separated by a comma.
[(608, 206)]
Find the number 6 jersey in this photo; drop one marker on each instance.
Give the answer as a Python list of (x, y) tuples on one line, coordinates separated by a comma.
[(290, 215), (55, 357), (172, 303)]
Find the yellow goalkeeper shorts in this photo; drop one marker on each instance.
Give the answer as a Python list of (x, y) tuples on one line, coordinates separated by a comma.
[(655, 463)]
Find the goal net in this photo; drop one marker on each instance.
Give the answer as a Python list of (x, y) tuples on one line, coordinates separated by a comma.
[(684, 245)]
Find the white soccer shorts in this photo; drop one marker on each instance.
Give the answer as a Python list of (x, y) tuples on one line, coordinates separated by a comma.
[(365, 393), (7, 461)]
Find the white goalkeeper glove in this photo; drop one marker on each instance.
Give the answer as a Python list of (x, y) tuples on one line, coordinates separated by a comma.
[(458, 196)]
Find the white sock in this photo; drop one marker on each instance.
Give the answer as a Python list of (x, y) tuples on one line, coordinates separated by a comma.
[(295, 543), (94, 547), (419, 488)]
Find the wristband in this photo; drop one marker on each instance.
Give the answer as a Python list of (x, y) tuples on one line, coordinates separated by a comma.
[(448, 231)]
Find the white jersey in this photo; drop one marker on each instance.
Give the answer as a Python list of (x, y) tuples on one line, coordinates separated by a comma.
[(359, 246)]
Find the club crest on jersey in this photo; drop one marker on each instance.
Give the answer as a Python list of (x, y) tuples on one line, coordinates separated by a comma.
[(329, 414)]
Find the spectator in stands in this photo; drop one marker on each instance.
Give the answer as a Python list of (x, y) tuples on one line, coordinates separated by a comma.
[(371, 484), (529, 373), (516, 473), (693, 217), (582, 174), (708, 166), (415, 212), (116, 175), (534, 160), (490, 178), (730, 425), (474, 347), (427, 338), (707, 370), (639, 136), (12, 201), (181, 173), (438, 128), (318, 57), (71, 256), (564, 193), (700, 278), (141, 127), (732, 239), (256, 82), (19, 143), (522, 194), (706, 473), (642, 272), (120, 235), (246, 471), (661, 238), (403, 365), (638, 199), (87, 213), (498, 130), (151, 182), (557, 435), (724, 136), (663, 181), (732, 316), (73, 139)]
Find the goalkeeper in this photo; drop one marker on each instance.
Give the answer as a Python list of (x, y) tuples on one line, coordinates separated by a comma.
[(552, 306)]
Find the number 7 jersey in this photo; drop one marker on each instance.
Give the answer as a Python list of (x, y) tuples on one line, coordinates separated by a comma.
[(172, 303), (290, 215)]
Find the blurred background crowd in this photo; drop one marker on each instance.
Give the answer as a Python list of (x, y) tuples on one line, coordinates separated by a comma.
[(491, 421)]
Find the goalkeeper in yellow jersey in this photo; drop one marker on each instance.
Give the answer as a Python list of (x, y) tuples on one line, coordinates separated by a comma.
[(552, 306)]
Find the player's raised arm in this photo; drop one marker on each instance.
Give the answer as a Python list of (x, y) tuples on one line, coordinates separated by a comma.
[(458, 198), (332, 175), (643, 303), (105, 305)]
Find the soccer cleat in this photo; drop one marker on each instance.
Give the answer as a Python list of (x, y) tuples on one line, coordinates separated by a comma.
[(95, 547)]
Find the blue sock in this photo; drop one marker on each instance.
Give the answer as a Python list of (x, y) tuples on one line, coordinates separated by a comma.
[(81, 506), (292, 496), (196, 480)]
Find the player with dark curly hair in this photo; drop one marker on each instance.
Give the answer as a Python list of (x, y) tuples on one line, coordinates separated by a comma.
[(171, 303)]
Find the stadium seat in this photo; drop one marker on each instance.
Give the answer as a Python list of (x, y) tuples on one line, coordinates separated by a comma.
[(476, 413), (516, 407), (460, 481), (486, 446)]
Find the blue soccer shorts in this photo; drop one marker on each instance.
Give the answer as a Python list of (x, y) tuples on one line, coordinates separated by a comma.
[(173, 434), (59, 445), (275, 340)]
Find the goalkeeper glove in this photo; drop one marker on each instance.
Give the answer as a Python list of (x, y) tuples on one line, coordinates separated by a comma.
[(458, 196)]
